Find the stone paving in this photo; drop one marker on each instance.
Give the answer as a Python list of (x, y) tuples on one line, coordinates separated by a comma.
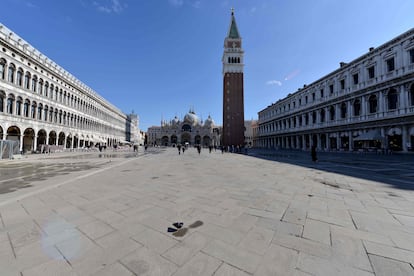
[(242, 215)]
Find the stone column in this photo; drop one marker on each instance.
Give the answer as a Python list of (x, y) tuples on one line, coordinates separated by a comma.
[(328, 142), (303, 142), (381, 103), (363, 107), (403, 99), (338, 140), (21, 142), (318, 142), (35, 143), (405, 138)]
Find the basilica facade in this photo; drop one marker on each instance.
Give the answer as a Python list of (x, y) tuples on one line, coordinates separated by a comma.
[(365, 105), (43, 105), (190, 130)]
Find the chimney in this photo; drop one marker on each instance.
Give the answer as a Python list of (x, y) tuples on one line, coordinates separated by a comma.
[(371, 48), (342, 64)]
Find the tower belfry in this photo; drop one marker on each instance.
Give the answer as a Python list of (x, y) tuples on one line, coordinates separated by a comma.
[(233, 103)]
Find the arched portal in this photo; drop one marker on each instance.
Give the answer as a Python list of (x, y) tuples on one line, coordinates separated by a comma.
[(61, 140), (41, 138), (1, 133), (197, 140), (206, 141), (52, 137), (69, 141), (174, 139), (164, 140), (395, 139), (28, 140), (13, 133), (185, 138)]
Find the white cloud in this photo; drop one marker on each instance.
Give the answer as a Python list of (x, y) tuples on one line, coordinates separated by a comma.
[(176, 2), (274, 82), (111, 6)]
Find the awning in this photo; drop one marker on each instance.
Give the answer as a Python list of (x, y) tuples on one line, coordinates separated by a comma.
[(369, 136)]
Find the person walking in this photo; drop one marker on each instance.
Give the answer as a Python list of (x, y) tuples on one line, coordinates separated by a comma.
[(179, 149)]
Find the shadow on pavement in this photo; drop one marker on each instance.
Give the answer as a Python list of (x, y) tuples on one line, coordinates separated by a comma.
[(396, 169)]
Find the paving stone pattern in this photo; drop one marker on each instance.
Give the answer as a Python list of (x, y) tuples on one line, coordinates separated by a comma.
[(242, 215)]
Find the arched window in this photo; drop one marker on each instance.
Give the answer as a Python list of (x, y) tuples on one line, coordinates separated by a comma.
[(46, 88), (373, 104), (2, 68), (51, 90), (238, 60), (39, 111), (10, 101), (51, 114), (19, 106), (412, 95), (33, 111), (357, 107), (2, 97), (343, 110), (392, 99), (40, 90), (229, 61), (10, 75), (19, 79), (26, 108), (46, 112), (27, 80), (313, 117), (332, 113), (322, 114), (34, 83)]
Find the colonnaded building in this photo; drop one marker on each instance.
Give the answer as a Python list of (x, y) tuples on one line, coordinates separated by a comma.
[(366, 105), (191, 129), (42, 104)]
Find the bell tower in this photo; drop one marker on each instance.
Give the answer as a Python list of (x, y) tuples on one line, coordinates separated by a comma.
[(233, 103)]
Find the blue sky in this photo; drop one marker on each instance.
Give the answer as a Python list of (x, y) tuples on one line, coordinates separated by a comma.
[(159, 58)]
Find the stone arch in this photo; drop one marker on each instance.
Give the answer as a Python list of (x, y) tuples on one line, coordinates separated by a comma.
[(28, 139), (395, 139), (412, 95), (197, 140), (41, 138), (206, 141), (186, 127), (174, 139), (61, 140), (392, 99), (185, 138), (52, 137), (164, 141), (1, 133), (372, 104), (13, 133)]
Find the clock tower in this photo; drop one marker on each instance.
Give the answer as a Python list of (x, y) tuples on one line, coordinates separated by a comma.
[(233, 104)]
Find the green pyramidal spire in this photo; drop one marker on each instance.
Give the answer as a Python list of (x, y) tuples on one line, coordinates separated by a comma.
[(233, 31)]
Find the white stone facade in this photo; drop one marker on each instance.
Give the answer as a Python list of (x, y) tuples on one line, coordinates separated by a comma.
[(190, 130), (365, 105), (42, 104)]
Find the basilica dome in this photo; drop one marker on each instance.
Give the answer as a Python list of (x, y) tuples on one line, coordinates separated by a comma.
[(209, 122), (191, 118), (175, 121)]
